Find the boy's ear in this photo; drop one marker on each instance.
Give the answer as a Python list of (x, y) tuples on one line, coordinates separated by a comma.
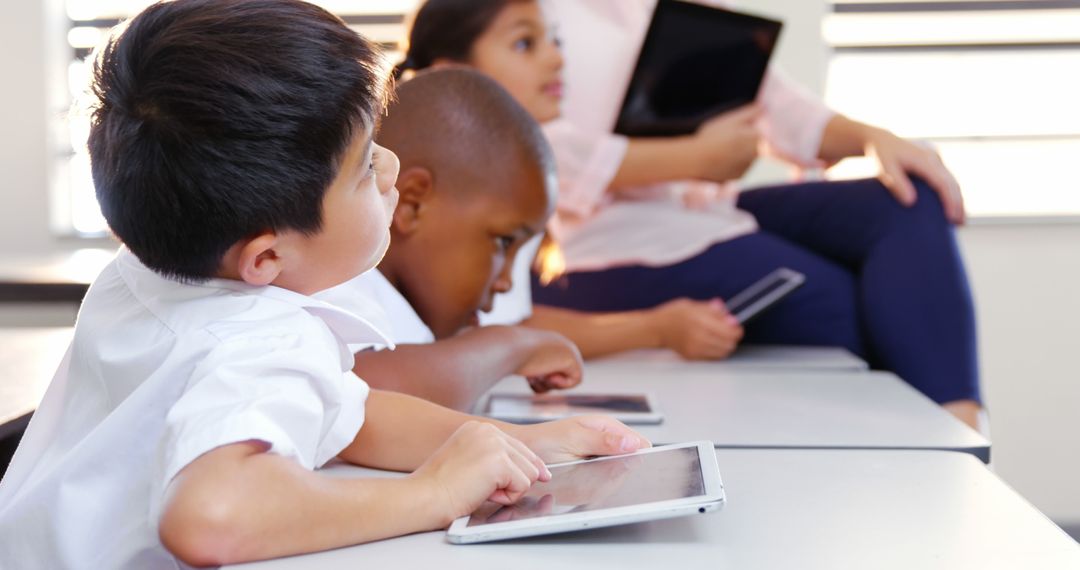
[(257, 260), (415, 186)]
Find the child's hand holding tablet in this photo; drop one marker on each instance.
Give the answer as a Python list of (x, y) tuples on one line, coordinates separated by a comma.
[(483, 462)]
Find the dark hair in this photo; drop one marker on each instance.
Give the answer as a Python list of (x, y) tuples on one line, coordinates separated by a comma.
[(215, 120), (448, 29)]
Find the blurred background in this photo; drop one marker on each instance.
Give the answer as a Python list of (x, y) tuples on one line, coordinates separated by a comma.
[(994, 84)]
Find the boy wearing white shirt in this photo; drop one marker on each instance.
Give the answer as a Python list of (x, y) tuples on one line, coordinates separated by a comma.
[(457, 230), (232, 155)]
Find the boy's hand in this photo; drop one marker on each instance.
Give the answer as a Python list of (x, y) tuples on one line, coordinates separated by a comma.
[(697, 330), (479, 463), (579, 437), (554, 362)]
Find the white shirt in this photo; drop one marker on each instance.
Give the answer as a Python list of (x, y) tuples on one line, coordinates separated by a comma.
[(654, 225), (372, 296), (159, 373)]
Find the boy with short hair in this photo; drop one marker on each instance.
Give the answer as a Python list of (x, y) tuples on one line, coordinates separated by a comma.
[(456, 231), (232, 155), (476, 188)]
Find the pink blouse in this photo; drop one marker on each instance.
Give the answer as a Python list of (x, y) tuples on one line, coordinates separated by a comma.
[(665, 223)]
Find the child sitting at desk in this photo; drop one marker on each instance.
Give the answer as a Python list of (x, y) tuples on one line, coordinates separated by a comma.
[(232, 154), (455, 233)]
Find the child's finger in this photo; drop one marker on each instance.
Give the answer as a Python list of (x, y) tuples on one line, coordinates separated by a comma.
[(543, 473), (513, 484), (606, 436)]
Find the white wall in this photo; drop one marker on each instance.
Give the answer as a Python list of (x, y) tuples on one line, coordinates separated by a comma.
[(24, 219), (1026, 281)]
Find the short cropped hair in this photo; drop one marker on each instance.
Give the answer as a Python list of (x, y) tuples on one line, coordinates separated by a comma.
[(214, 120), (463, 125)]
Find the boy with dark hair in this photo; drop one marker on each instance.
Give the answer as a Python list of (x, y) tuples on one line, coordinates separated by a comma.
[(232, 153)]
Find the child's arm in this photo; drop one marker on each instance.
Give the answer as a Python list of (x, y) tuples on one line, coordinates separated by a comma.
[(401, 431), (238, 503), (455, 372), (697, 330)]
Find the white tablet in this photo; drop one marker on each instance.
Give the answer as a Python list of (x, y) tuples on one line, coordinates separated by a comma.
[(656, 483), (764, 293), (520, 408)]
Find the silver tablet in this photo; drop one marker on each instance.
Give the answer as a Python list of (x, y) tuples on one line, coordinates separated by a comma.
[(764, 293), (530, 408), (656, 483)]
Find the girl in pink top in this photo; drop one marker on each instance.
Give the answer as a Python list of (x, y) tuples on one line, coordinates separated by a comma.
[(642, 222)]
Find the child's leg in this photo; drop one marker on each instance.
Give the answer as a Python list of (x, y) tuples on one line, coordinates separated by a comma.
[(914, 297), (822, 312)]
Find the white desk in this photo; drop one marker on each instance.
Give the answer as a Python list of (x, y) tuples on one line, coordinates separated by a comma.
[(787, 509), (747, 357), (28, 360), (737, 409)]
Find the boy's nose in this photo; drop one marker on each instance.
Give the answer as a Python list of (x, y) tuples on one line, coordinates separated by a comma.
[(393, 170), (503, 282)]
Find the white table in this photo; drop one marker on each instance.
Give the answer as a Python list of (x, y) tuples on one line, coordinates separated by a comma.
[(736, 409), (28, 361), (787, 509), (747, 357)]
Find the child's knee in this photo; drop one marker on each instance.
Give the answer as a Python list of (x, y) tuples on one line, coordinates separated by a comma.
[(928, 203)]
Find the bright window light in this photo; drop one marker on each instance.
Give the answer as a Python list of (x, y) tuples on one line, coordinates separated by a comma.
[(952, 28), (960, 93)]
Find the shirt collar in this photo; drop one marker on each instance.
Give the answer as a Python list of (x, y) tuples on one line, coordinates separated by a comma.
[(348, 327)]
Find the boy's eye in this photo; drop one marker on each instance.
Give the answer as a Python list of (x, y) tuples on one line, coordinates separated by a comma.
[(504, 243)]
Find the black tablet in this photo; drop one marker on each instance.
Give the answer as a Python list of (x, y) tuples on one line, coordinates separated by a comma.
[(696, 62)]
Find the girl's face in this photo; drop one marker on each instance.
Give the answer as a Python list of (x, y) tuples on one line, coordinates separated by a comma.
[(519, 51)]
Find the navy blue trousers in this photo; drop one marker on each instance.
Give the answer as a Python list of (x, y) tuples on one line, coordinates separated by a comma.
[(884, 281)]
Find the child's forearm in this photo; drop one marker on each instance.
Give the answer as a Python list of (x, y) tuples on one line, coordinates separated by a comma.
[(599, 334), (844, 137), (237, 504), (400, 431), (657, 160), (453, 372)]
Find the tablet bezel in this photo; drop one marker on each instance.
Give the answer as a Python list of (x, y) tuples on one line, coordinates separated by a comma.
[(625, 124), (790, 281), (652, 417), (711, 500)]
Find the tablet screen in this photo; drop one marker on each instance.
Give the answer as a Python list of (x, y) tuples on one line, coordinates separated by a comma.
[(603, 483), (696, 62), (560, 405)]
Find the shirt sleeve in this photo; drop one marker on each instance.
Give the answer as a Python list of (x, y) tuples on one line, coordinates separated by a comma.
[(587, 164), (794, 120), (281, 384)]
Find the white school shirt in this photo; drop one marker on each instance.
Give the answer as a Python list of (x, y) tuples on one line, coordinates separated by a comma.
[(646, 226), (159, 373), (372, 296)]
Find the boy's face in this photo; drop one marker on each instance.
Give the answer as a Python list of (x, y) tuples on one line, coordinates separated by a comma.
[(519, 51), (356, 214), (463, 249)]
